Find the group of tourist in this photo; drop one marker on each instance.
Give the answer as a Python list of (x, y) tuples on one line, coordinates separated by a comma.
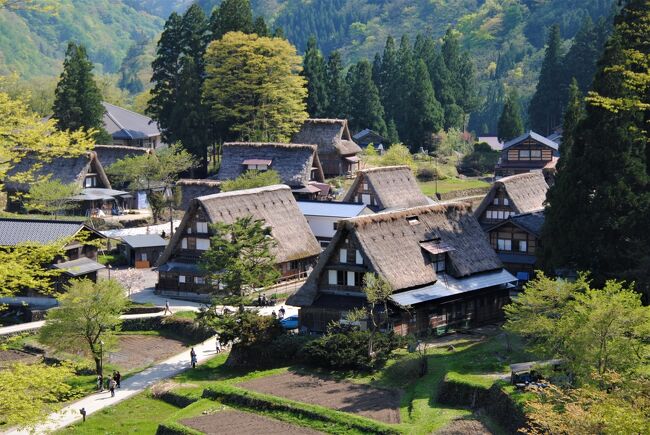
[(112, 382)]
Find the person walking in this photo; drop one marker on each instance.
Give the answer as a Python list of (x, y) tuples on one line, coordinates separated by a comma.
[(118, 378), (281, 312), (218, 345), (111, 386), (100, 383), (193, 358), (167, 309)]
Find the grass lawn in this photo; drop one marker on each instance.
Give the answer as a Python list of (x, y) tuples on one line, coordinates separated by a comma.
[(140, 414), (450, 185)]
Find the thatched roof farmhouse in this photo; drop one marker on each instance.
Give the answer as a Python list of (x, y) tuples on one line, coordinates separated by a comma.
[(336, 149), (109, 154), (386, 188), (192, 188), (432, 257), (296, 247)]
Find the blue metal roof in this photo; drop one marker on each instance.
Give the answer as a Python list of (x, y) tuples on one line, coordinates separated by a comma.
[(330, 209), (532, 135), (447, 285)]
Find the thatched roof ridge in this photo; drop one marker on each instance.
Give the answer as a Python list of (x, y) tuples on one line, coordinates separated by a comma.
[(67, 170), (393, 187), (273, 204), (293, 162), (198, 182), (109, 154), (193, 188), (331, 135), (526, 192), (390, 244)]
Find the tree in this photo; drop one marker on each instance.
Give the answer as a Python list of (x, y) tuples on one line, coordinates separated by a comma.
[(153, 171), (607, 171), (87, 319), (595, 330), (510, 123), (52, 196), (426, 116), (78, 102), (397, 155), (240, 258), (253, 86), (30, 392), (232, 16), (388, 85), (366, 110), (573, 114), (545, 110), (460, 77), (338, 92), (260, 28), (27, 266), (377, 291), (580, 61), (252, 179), (243, 327), (314, 73), (405, 89)]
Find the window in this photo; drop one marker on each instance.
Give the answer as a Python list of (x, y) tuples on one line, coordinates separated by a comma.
[(191, 243), (506, 201), (143, 256), (202, 227), (351, 279), (439, 262), (358, 257), (340, 277), (495, 201), (184, 243), (504, 245), (500, 214), (331, 277), (489, 214), (90, 181), (365, 198), (343, 256), (524, 154), (199, 280), (181, 278), (536, 154), (413, 220), (335, 225), (523, 246), (202, 244), (365, 186)]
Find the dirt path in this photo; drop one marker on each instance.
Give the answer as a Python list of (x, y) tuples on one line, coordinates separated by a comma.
[(243, 423), (375, 403)]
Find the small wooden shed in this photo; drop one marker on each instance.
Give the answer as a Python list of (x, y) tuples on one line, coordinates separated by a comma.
[(143, 250)]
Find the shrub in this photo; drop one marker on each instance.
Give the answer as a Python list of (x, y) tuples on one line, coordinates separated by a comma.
[(398, 155), (349, 349), (286, 349), (186, 328), (426, 174)]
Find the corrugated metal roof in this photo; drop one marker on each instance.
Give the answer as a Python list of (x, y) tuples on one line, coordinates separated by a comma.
[(14, 231), (80, 266), (144, 241), (447, 285), (330, 209)]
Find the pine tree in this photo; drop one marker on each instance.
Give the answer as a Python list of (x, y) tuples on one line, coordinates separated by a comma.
[(510, 124), (573, 114), (598, 220), (338, 91), (391, 133), (376, 70), (314, 72), (580, 61), (232, 16), (426, 116), (545, 110), (460, 81), (366, 110), (405, 88), (443, 88), (259, 27), (165, 76), (388, 79), (78, 102)]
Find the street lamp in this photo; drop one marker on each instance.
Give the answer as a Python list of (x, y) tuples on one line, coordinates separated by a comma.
[(109, 267), (101, 358)]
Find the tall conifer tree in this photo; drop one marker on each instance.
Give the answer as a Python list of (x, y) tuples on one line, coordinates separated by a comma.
[(425, 117), (545, 110), (580, 61), (314, 72), (78, 101), (366, 110), (510, 123), (389, 78), (338, 91), (232, 16), (601, 223), (405, 88)]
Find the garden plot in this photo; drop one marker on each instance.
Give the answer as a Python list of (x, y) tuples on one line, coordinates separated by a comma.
[(137, 351), (11, 356), (375, 403), (243, 423)]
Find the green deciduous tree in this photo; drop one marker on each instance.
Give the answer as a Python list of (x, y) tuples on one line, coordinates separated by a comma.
[(52, 196), (314, 73), (240, 258), (398, 154), (253, 86), (27, 266), (366, 110), (88, 315), (78, 101), (252, 179), (243, 327), (30, 392), (545, 110), (510, 123)]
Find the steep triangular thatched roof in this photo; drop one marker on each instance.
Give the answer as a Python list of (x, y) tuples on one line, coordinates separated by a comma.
[(331, 135), (293, 162), (273, 204), (67, 170), (526, 192), (109, 154), (192, 188), (392, 246), (393, 186)]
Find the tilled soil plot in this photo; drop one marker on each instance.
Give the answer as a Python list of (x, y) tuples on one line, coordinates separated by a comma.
[(375, 403), (11, 356), (464, 427), (136, 351), (243, 423)]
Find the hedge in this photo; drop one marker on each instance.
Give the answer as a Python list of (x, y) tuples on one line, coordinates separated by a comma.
[(186, 328), (176, 429), (239, 397), (178, 400)]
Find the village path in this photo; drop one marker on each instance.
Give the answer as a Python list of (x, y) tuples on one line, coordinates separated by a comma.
[(130, 387)]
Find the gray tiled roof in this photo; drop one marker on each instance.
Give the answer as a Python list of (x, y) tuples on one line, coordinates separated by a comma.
[(144, 241), (14, 231), (532, 135), (532, 222), (124, 124)]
